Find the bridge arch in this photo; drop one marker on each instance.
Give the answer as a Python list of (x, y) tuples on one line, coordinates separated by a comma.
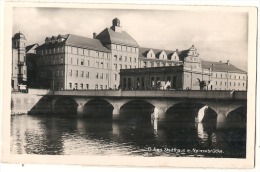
[(191, 111), (137, 110), (237, 117), (98, 108), (65, 106)]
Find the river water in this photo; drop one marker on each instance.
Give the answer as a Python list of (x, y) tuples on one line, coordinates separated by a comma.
[(50, 135)]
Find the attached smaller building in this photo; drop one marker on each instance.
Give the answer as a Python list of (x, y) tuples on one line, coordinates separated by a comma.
[(226, 76), (168, 77)]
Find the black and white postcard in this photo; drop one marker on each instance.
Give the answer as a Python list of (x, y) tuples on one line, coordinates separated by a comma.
[(129, 85)]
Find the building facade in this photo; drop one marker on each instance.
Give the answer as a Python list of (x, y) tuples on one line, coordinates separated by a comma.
[(162, 78), (226, 76), (76, 62), (31, 62), (19, 69)]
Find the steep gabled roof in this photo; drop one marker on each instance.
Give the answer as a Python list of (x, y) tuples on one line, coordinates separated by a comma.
[(109, 36), (78, 41), (182, 54), (84, 42), (221, 67), (29, 47)]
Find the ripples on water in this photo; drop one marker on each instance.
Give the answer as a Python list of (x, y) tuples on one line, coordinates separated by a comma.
[(77, 136)]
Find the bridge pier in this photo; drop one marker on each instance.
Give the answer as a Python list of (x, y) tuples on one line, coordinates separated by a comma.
[(221, 118), (81, 102), (159, 113), (116, 112)]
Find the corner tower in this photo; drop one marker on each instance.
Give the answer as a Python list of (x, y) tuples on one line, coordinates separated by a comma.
[(19, 71)]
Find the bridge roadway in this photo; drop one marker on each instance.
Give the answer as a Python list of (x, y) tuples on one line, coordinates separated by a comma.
[(188, 94)]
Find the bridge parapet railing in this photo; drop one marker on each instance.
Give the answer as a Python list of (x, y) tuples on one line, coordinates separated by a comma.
[(216, 94)]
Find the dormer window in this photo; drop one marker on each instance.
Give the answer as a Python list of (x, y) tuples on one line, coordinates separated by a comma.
[(47, 41)]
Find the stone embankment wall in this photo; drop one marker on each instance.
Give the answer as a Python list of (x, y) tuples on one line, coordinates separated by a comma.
[(23, 103)]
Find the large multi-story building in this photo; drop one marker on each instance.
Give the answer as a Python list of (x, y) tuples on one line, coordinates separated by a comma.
[(76, 62)]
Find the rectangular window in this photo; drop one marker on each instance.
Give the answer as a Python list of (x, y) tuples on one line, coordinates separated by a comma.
[(87, 86), (115, 66), (70, 85), (70, 72), (82, 62), (130, 59), (216, 82), (96, 86), (76, 86), (115, 77), (102, 65), (88, 63), (87, 74), (81, 86), (61, 59), (126, 58), (97, 75), (82, 73), (76, 73), (145, 63), (106, 76), (120, 58), (115, 57), (101, 76), (101, 87)]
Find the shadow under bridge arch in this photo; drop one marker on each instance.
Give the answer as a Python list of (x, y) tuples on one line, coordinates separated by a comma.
[(65, 106), (98, 109), (238, 117), (137, 111), (190, 113)]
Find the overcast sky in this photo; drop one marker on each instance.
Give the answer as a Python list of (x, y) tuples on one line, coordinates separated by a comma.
[(218, 36)]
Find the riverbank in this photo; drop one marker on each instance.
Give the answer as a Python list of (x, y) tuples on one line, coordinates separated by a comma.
[(22, 103)]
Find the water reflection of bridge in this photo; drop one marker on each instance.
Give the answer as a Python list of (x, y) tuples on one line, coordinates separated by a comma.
[(178, 106)]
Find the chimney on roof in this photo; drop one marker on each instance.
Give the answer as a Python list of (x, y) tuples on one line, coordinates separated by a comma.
[(94, 35), (228, 62)]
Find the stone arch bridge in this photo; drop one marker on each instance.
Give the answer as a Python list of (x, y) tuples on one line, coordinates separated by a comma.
[(222, 102)]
